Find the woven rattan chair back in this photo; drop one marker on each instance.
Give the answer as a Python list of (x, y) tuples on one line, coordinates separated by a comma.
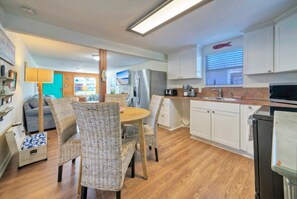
[(119, 98), (101, 141), (154, 108), (64, 118)]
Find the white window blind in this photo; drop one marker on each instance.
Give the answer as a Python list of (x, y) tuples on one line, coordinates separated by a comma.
[(224, 68)]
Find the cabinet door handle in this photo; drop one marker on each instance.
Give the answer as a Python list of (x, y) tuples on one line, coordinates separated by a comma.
[(213, 112), (208, 111), (250, 107), (269, 71)]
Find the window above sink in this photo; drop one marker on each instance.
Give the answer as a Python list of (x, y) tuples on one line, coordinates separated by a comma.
[(223, 63)]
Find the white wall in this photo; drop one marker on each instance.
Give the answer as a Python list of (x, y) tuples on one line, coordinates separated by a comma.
[(111, 82), (23, 91)]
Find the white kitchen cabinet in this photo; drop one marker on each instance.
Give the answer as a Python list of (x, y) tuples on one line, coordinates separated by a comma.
[(184, 65), (200, 122), (174, 66), (286, 44), (225, 128), (188, 63), (245, 112), (258, 51), (169, 116), (216, 121)]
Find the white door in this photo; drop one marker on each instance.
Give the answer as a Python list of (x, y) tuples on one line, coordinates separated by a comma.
[(188, 63), (225, 128), (200, 123), (286, 44), (174, 66), (245, 112), (258, 51)]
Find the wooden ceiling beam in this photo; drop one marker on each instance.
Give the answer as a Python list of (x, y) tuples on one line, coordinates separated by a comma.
[(102, 74)]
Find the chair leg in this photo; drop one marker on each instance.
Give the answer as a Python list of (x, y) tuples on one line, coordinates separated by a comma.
[(133, 166), (73, 161), (118, 194), (156, 154), (60, 172), (84, 192)]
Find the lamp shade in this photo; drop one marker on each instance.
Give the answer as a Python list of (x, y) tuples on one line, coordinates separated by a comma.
[(39, 75)]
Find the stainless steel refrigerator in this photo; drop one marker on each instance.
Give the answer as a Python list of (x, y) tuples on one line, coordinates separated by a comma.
[(146, 83)]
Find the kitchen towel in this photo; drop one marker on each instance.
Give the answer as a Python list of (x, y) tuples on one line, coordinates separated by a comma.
[(250, 127)]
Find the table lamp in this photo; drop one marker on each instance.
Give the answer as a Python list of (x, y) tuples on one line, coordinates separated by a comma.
[(39, 76)]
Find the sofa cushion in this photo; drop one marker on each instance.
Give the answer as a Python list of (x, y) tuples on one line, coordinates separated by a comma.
[(46, 110), (34, 111), (33, 102), (47, 98)]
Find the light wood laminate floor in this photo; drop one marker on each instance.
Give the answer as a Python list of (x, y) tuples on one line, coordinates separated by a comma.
[(187, 168)]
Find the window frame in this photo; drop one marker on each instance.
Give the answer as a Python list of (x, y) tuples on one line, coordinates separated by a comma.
[(84, 76), (208, 50)]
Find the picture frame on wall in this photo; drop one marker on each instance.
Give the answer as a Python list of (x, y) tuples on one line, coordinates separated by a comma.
[(7, 49), (13, 75)]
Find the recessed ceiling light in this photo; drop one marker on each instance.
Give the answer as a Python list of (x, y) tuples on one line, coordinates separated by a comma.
[(163, 14), (28, 11), (96, 57)]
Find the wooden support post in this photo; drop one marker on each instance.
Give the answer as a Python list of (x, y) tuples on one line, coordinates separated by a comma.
[(102, 74), (40, 107)]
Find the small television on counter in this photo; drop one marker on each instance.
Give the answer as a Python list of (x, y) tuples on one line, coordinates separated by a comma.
[(123, 77)]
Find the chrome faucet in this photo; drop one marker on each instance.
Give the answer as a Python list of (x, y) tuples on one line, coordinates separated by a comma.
[(219, 91)]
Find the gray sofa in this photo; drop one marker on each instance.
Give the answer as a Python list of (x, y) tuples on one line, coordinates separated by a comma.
[(31, 114)]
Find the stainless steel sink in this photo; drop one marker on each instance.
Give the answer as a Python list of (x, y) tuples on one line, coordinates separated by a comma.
[(220, 98)]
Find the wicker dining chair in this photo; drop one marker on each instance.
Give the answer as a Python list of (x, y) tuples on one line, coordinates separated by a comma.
[(119, 98), (68, 136), (105, 157), (151, 128)]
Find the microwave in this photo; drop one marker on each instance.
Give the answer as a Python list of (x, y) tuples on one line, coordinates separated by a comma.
[(285, 93)]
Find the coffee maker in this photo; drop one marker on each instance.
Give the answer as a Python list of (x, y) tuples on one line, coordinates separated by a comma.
[(188, 91)]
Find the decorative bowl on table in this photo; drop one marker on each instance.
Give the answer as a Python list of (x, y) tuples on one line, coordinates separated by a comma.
[(122, 109)]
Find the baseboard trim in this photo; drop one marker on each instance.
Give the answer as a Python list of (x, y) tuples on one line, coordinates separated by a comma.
[(170, 129), (227, 148), (5, 163)]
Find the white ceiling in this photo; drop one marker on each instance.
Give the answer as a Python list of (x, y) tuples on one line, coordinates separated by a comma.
[(62, 56), (218, 20)]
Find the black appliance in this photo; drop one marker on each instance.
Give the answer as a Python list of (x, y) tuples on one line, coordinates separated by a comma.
[(170, 92), (268, 184), (286, 93)]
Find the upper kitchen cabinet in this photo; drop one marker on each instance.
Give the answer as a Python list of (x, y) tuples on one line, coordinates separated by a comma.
[(174, 66), (185, 64), (286, 44), (258, 51)]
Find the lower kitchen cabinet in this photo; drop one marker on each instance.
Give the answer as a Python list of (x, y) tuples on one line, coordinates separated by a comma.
[(200, 122), (245, 112), (225, 128), (170, 114), (216, 121)]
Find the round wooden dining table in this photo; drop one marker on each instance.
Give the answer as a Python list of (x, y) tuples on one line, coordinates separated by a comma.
[(135, 116)]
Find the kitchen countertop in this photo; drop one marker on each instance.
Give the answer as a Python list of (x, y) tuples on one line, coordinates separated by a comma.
[(238, 101)]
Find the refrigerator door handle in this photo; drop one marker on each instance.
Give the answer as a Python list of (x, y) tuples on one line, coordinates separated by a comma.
[(139, 95)]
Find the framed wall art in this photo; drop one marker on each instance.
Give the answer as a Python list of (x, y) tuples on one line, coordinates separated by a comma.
[(7, 49), (13, 75)]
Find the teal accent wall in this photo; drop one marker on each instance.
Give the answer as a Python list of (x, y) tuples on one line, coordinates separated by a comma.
[(56, 88)]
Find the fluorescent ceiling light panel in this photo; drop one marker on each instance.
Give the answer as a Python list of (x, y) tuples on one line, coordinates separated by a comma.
[(164, 13)]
